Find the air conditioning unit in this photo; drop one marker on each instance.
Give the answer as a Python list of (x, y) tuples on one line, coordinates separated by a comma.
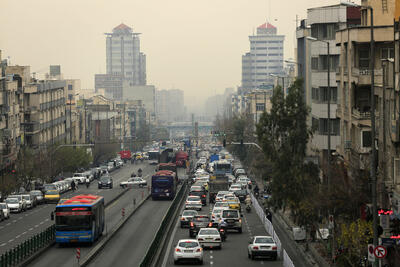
[(347, 144), (395, 131)]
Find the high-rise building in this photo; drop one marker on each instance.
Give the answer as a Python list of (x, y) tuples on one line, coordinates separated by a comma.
[(125, 62), (170, 105), (265, 58)]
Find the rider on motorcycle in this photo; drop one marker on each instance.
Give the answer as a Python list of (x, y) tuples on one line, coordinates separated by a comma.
[(248, 202), (140, 172), (87, 182)]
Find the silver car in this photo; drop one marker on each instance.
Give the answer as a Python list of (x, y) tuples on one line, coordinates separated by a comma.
[(14, 204), (39, 196), (209, 237), (6, 210), (188, 250), (262, 246)]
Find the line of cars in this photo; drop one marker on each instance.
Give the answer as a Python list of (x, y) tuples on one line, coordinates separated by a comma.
[(20, 202)]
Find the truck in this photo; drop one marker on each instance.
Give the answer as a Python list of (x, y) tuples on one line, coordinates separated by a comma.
[(219, 182), (180, 158), (125, 155)]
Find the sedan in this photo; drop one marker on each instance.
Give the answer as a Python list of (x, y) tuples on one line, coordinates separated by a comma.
[(14, 204), (134, 181), (262, 246), (187, 217), (193, 202), (198, 222), (6, 210), (105, 181), (209, 237), (188, 250)]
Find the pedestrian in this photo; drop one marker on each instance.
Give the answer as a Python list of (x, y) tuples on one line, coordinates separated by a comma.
[(73, 185)]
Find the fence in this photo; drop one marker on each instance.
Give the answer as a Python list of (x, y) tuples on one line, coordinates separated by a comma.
[(287, 262), (28, 247)]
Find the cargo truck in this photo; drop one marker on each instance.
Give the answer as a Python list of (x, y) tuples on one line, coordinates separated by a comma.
[(219, 182)]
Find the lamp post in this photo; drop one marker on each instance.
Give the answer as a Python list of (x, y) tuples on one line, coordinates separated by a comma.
[(328, 107)]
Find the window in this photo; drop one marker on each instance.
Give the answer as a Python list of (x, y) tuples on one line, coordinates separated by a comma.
[(260, 106), (387, 53), (366, 139), (314, 63), (70, 87), (363, 61)]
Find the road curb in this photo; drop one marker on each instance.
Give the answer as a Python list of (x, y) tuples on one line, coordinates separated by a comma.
[(92, 253), (42, 250)]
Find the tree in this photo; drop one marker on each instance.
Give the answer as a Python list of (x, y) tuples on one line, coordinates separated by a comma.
[(283, 133)]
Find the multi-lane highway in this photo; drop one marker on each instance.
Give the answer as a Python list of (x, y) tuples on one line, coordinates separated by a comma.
[(24, 225), (129, 245), (234, 249)]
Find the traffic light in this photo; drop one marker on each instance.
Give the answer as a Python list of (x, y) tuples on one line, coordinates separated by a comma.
[(224, 142)]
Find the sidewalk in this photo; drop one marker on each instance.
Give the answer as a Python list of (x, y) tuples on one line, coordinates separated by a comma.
[(297, 251)]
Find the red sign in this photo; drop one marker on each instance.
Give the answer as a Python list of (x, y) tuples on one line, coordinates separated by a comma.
[(73, 213), (78, 253), (385, 212), (380, 252)]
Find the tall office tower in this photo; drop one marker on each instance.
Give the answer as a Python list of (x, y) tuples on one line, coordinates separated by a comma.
[(124, 57), (265, 58)]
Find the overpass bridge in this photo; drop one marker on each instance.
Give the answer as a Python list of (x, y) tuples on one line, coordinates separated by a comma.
[(175, 128)]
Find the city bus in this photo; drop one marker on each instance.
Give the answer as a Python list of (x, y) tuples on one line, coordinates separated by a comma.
[(163, 185), (222, 167), (80, 219)]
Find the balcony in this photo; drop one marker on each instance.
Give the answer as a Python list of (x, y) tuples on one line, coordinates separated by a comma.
[(363, 76), (358, 115)]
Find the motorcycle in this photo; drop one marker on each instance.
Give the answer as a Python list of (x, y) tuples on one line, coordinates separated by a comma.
[(222, 233), (248, 208)]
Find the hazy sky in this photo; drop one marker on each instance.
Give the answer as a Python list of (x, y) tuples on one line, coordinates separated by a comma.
[(193, 45)]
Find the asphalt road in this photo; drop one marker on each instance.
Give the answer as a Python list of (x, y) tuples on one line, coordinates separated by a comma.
[(234, 249), (23, 225), (124, 247)]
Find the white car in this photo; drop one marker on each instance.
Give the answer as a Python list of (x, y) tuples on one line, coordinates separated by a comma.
[(193, 202), (209, 237), (79, 177), (262, 246), (188, 250), (6, 210), (220, 195), (235, 187), (14, 204), (245, 181), (187, 216), (134, 181), (220, 205)]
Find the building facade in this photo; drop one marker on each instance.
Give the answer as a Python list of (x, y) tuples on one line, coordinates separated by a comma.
[(170, 106), (265, 58)]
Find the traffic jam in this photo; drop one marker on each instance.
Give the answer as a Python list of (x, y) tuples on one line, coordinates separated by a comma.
[(213, 210)]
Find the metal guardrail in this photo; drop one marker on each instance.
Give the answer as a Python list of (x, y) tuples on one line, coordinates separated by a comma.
[(155, 244), (25, 249)]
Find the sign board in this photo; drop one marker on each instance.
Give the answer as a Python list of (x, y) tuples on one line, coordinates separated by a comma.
[(380, 252), (371, 256)]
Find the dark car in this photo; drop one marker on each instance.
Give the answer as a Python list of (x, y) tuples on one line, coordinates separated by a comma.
[(198, 221), (106, 182), (241, 194), (202, 193)]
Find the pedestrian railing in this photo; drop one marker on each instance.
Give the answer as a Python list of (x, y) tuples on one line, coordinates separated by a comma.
[(287, 262), (25, 249)]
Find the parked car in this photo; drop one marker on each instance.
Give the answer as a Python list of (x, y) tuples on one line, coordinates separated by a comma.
[(262, 246), (39, 196), (6, 210), (106, 181), (14, 204), (21, 200), (188, 250), (198, 222), (30, 202)]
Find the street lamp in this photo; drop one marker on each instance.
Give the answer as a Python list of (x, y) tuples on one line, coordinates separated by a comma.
[(299, 65), (329, 107)]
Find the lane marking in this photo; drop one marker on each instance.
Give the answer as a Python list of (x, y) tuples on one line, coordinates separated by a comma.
[(24, 233), (30, 229), (211, 262), (11, 240), (47, 219), (41, 222), (2, 245), (211, 257), (18, 236), (8, 224), (36, 226), (14, 221)]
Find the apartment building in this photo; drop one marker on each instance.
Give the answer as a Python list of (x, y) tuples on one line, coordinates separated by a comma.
[(257, 102), (356, 80)]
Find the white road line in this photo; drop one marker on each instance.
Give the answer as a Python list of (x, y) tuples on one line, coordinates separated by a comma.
[(8, 224), (164, 263), (2, 245), (18, 236), (24, 233), (211, 262), (211, 257), (41, 222), (47, 219), (11, 240), (30, 229), (37, 225), (26, 215), (14, 221)]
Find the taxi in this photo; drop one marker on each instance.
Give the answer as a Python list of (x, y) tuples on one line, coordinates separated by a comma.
[(51, 196), (234, 204)]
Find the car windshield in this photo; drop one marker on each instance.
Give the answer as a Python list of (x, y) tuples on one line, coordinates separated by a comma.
[(189, 213), (263, 240), (104, 179), (36, 193), (26, 197), (220, 204), (52, 193), (11, 200), (201, 219), (3, 206), (193, 198), (230, 214), (208, 232), (188, 244)]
